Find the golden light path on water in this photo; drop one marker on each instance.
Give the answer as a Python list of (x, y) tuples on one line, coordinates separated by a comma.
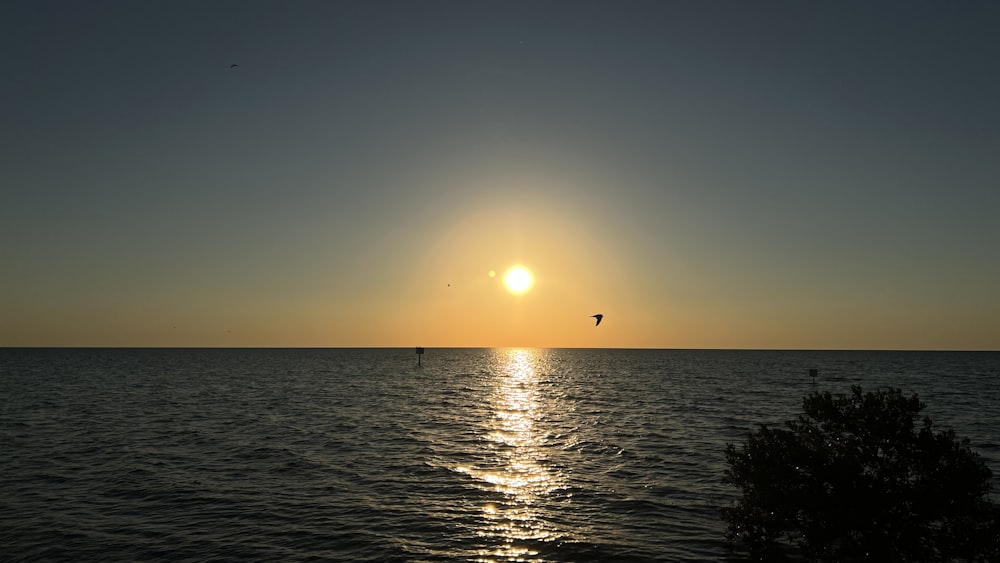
[(518, 472)]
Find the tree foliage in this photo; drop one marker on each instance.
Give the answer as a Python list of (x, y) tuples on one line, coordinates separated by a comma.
[(860, 477)]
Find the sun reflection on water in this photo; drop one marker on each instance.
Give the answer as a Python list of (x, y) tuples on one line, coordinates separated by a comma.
[(517, 462)]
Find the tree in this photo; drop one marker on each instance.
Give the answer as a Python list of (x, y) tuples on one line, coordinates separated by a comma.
[(856, 478)]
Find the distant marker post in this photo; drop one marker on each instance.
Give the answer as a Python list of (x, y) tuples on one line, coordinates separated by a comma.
[(813, 372), (420, 354)]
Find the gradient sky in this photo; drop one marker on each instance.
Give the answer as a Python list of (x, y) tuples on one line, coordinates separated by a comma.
[(705, 174)]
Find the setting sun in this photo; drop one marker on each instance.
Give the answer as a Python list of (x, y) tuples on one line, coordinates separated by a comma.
[(518, 279)]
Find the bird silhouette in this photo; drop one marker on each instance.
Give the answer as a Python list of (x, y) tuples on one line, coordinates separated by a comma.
[(598, 317)]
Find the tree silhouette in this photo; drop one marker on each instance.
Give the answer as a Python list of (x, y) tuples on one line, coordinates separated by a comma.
[(855, 478)]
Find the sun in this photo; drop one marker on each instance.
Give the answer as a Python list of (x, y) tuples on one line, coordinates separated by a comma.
[(518, 280)]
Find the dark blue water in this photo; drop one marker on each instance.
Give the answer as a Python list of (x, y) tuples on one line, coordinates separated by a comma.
[(359, 455)]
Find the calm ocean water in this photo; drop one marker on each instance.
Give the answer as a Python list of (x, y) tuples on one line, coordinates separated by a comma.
[(359, 455)]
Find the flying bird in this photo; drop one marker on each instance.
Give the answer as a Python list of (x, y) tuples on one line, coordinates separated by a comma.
[(598, 317), (234, 66)]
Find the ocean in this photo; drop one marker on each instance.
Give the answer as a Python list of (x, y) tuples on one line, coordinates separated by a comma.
[(362, 455)]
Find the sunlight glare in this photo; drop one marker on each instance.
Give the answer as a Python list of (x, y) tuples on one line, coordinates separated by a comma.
[(518, 279), (516, 465)]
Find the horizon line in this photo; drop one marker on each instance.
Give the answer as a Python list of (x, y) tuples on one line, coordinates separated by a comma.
[(649, 348)]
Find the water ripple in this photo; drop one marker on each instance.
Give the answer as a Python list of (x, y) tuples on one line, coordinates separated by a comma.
[(357, 455)]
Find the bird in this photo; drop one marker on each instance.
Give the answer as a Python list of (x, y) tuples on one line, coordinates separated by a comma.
[(598, 317), (234, 66)]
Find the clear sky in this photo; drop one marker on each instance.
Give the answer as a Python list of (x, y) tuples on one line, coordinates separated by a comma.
[(705, 174)]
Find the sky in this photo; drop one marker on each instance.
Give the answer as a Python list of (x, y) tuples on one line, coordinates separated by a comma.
[(718, 174)]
